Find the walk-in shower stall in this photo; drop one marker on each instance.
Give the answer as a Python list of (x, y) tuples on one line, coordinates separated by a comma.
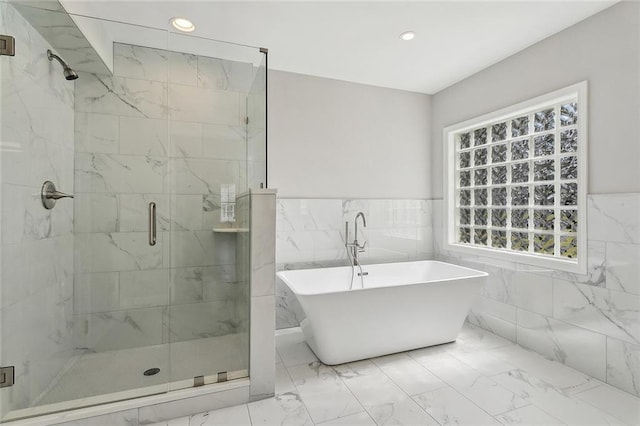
[(133, 278)]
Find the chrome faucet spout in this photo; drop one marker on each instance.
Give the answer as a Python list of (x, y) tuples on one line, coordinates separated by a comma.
[(364, 223)]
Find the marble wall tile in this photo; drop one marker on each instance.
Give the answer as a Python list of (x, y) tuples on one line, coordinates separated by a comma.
[(96, 212), (201, 248), (623, 365), (611, 313), (133, 212), (220, 74), (22, 218), (141, 62), (200, 320), (183, 68), (308, 214), (573, 346), (602, 304), (186, 212), (143, 136), (97, 133), (114, 330), (185, 139), (623, 267), (220, 282), (112, 173), (96, 292), (201, 176), (141, 289), (62, 33), (201, 105), (262, 347), (292, 247), (37, 127), (614, 217), (224, 141), (263, 242), (424, 244), (121, 96), (289, 313), (122, 251), (186, 285), (533, 292), (497, 317), (596, 266)]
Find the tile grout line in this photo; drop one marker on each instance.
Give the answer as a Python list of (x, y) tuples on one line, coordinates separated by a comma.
[(286, 368)]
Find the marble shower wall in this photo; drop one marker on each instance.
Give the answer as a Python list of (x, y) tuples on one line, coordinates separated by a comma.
[(310, 233), (166, 127), (590, 322), (36, 304)]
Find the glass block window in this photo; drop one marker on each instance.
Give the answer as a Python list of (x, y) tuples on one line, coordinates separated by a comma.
[(518, 182)]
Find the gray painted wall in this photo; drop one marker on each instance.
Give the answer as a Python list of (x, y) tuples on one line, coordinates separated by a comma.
[(335, 139), (604, 50)]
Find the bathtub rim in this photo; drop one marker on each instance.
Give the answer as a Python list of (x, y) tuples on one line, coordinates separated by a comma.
[(476, 274)]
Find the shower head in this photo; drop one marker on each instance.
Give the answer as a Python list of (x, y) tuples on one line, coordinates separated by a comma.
[(68, 72)]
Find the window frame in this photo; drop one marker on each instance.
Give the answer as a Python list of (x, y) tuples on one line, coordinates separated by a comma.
[(578, 265)]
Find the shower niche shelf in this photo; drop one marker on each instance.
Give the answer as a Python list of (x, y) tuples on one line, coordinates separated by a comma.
[(230, 230)]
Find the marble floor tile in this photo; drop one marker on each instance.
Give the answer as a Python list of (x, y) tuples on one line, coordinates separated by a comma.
[(296, 353), (485, 362), (231, 416), (615, 402), (385, 402), (554, 373), (283, 380), (451, 384), (323, 393), (449, 407), (528, 416), (482, 390), (285, 409), (359, 419), (554, 401), (408, 374)]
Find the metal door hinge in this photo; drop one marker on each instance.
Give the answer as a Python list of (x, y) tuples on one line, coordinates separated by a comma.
[(222, 376), (246, 120), (198, 381), (7, 376), (7, 45)]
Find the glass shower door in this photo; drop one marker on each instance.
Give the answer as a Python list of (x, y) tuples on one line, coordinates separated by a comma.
[(84, 290), (122, 217), (208, 312)]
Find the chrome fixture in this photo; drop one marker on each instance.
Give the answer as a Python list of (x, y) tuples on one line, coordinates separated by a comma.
[(49, 195), (68, 72), (7, 45), (355, 248), (152, 223)]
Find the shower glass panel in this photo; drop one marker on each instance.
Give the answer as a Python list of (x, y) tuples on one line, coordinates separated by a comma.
[(140, 284), (209, 85)]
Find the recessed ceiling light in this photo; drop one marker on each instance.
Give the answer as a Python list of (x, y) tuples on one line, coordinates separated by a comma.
[(407, 35), (182, 24)]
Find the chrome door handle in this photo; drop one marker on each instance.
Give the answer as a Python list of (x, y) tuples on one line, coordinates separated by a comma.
[(152, 223)]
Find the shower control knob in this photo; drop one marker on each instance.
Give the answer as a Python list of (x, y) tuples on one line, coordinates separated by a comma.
[(49, 195)]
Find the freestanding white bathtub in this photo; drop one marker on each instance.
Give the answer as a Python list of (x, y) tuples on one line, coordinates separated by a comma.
[(402, 306)]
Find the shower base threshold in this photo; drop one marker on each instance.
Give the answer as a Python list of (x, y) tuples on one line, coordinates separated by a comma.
[(92, 380)]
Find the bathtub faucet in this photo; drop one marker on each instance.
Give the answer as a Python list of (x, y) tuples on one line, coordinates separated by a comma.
[(355, 247)]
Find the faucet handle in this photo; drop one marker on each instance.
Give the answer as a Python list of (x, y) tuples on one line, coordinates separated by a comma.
[(361, 248)]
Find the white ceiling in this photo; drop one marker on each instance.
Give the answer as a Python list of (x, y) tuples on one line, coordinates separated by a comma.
[(359, 41)]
